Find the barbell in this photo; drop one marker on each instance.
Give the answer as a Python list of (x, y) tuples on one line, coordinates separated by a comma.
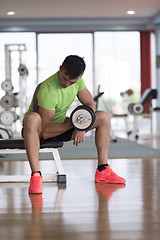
[(82, 118)]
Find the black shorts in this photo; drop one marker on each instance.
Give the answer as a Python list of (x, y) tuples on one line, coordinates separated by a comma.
[(64, 137)]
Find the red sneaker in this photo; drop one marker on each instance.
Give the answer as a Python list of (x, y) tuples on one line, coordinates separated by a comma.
[(36, 183), (108, 175)]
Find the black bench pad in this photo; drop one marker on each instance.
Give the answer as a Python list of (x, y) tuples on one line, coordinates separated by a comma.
[(19, 143)]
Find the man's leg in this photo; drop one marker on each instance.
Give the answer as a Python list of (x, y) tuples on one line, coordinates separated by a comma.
[(31, 133), (102, 138)]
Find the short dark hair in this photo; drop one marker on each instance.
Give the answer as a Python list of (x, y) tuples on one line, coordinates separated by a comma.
[(74, 66)]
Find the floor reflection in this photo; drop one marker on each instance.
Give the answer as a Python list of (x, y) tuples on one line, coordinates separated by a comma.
[(83, 209), (104, 193), (50, 225)]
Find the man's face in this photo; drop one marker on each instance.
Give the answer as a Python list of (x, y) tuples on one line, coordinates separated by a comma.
[(65, 79)]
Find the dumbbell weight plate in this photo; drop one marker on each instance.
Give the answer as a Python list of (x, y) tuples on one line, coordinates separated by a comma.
[(7, 101), (138, 109), (22, 70), (7, 86), (7, 117), (4, 133), (130, 108), (82, 118), (129, 92)]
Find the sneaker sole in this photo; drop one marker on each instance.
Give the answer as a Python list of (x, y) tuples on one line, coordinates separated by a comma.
[(35, 192), (105, 181)]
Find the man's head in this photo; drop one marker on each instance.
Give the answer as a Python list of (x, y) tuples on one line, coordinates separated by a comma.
[(71, 70), (74, 66)]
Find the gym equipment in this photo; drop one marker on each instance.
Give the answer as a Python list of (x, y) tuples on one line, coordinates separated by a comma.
[(12, 101), (82, 118), (126, 95), (8, 101), (5, 133), (22, 69), (137, 109), (7, 117), (128, 92), (96, 100), (7, 86), (15, 146)]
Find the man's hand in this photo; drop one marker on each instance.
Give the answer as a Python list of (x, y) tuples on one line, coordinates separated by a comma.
[(78, 137)]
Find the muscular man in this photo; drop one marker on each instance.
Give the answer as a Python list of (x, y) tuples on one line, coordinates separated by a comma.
[(46, 118)]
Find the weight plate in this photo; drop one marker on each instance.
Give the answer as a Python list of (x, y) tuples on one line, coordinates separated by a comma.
[(129, 92), (7, 86), (22, 70), (7, 117), (130, 108), (7, 101), (4, 134), (82, 118), (138, 109)]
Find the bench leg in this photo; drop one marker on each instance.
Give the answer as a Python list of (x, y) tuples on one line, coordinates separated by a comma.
[(61, 178)]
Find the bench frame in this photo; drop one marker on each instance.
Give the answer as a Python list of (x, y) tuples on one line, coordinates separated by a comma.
[(60, 177)]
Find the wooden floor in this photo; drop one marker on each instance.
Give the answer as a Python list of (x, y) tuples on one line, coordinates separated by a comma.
[(81, 209)]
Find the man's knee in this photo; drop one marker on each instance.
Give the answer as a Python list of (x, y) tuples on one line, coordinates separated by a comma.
[(32, 121), (103, 118)]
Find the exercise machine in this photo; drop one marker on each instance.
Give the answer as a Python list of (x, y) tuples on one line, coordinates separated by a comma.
[(137, 109)]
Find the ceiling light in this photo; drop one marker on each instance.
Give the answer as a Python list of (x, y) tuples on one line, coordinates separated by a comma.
[(11, 13), (131, 12)]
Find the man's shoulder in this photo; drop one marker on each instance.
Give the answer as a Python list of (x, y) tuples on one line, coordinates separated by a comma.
[(51, 81), (81, 84), (53, 77)]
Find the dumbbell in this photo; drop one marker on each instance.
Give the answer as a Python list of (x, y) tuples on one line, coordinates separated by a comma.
[(82, 118)]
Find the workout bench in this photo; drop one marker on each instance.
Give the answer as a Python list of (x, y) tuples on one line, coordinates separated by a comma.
[(14, 146)]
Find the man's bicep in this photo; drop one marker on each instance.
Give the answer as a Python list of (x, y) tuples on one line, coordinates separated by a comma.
[(85, 97)]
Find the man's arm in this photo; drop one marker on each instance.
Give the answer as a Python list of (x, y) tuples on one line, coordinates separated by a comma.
[(86, 98), (50, 129)]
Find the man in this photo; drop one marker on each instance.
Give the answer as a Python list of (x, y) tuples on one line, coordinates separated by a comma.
[(46, 118)]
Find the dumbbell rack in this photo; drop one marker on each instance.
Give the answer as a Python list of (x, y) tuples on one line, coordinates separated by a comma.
[(10, 101)]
